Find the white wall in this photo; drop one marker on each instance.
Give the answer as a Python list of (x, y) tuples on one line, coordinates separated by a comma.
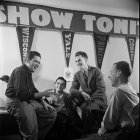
[(49, 44)]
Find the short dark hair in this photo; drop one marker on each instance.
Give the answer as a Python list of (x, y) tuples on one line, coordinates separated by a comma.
[(124, 67), (83, 54), (61, 78), (31, 54)]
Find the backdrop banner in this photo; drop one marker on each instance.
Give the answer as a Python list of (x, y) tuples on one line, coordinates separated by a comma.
[(25, 38), (100, 46), (131, 43), (50, 18), (67, 41)]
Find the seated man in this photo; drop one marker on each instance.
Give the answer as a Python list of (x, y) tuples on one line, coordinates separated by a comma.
[(91, 98), (122, 112), (67, 124), (57, 95), (34, 117)]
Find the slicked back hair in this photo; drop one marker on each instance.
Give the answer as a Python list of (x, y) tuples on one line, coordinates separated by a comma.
[(83, 54), (31, 54)]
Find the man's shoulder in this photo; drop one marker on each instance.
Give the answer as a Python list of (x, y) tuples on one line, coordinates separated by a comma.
[(122, 91), (20, 68), (118, 90), (79, 71), (92, 68), (119, 93), (66, 93)]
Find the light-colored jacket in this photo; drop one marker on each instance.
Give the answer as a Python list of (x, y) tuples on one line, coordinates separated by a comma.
[(121, 108)]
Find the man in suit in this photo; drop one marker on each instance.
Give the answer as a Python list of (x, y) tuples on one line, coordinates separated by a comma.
[(91, 81)]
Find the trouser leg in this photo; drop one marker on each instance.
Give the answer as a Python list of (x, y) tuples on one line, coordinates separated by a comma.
[(92, 120), (92, 117), (86, 120), (45, 118), (26, 118)]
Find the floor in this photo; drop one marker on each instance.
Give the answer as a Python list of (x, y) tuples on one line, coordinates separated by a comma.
[(11, 137)]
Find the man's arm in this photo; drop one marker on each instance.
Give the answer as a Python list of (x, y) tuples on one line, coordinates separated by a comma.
[(75, 86), (18, 87), (24, 91), (100, 84), (39, 95), (112, 114)]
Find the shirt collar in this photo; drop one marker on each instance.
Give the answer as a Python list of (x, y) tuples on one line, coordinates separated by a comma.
[(57, 93), (27, 69), (85, 70)]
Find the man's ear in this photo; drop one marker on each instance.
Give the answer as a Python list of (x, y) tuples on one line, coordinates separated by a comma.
[(86, 60), (27, 59), (119, 73)]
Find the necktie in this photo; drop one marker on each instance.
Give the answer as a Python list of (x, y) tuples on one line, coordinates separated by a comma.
[(85, 77)]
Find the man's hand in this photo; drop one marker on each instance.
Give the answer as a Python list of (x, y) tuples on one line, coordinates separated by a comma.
[(47, 106), (47, 92), (52, 99), (86, 96), (101, 131)]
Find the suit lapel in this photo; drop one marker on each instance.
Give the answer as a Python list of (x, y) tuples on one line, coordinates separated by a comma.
[(83, 80), (89, 74), (83, 84)]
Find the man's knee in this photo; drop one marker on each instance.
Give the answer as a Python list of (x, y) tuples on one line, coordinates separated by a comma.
[(52, 115)]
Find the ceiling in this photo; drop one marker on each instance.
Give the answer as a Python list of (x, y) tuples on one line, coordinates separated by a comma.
[(114, 7)]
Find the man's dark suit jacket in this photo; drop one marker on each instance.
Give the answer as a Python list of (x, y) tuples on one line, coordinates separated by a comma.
[(95, 87)]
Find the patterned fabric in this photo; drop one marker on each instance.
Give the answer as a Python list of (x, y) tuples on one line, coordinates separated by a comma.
[(85, 75)]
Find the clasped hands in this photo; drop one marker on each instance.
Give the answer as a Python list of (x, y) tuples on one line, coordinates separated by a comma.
[(86, 96), (101, 131)]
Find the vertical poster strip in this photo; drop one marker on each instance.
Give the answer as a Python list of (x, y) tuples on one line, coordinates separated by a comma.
[(68, 41), (25, 38), (131, 43), (100, 45)]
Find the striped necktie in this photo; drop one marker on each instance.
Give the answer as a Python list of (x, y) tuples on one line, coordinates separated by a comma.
[(85, 74)]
